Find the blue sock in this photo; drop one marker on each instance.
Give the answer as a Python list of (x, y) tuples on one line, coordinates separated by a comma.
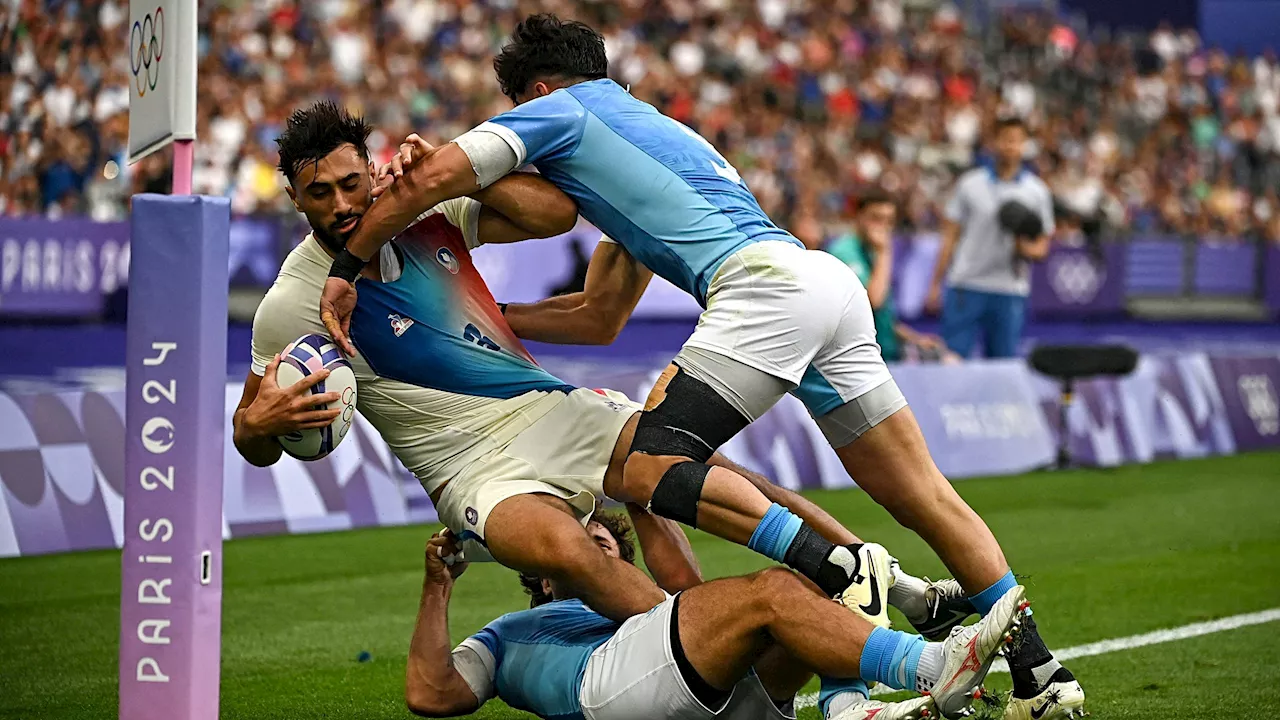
[(891, 657), (832, 690), (983, 601), (774, 534)]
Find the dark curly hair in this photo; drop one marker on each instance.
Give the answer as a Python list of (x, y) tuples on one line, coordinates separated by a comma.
[(544, 46), (618, 525), (314, 132)]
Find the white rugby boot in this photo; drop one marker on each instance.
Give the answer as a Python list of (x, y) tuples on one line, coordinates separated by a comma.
[(969, 651), (920, 708), (868, 590), (1059, 700)]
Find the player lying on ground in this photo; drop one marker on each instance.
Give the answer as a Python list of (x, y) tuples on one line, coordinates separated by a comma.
[(778, 319), (512, 457), (734, 648)]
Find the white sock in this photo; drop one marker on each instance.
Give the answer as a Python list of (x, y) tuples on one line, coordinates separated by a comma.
[(842, 702), (929, 671), (907, 594)]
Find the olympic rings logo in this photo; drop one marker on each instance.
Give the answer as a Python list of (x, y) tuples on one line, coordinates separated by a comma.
[(146, 42)]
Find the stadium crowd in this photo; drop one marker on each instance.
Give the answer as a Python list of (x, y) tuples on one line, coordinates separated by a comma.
[(815, 102)]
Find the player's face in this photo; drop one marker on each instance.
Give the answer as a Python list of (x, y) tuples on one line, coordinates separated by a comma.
[(1009, 144), (334, 193), (602, 537)]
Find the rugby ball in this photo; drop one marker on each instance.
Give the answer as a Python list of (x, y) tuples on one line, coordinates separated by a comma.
[(302, 357)]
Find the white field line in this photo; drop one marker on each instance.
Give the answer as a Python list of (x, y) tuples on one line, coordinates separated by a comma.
[(1115, 644)]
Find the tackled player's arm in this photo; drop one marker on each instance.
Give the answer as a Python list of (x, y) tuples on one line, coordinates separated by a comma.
[(522, 206), (666, 550), (434, 687), (257, 449), (443, 175), (615, 281), (267, 411)]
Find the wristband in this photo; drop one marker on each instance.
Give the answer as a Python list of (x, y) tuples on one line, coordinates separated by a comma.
[(347, 266)]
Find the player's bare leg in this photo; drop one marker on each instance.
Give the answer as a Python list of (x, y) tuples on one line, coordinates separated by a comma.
[(781, 674), (932, 607), (730, 507), (733, 500), (746, 508), (892, 464), (814, 516), (726, 626), (538, 534)]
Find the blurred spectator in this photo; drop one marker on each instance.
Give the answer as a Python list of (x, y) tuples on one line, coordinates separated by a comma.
[(867, 248), (815, 101), (984, 265)]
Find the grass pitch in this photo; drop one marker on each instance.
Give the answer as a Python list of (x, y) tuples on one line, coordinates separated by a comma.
[(1104, 554)]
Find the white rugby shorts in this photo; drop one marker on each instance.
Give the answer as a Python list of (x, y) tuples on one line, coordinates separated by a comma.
[(565, 453), (799, 316), (634, 676)]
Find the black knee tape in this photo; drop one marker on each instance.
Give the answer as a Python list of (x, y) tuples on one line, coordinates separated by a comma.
[(677, 493), (691, 421)]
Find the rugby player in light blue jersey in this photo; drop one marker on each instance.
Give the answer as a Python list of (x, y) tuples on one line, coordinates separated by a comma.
[(778, 319), (737, 648), (514, 459)]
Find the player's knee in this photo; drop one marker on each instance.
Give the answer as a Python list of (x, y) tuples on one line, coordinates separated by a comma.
[(677, 490), (641, 474), (774, 587)]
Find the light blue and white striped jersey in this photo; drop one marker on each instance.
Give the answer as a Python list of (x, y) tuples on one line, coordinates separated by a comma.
[(647, 181), (536, 658)]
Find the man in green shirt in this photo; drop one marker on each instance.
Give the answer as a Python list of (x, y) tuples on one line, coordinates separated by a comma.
[(868, 250)]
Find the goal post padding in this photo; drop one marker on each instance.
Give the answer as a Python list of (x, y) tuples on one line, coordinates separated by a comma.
[(171, 599)]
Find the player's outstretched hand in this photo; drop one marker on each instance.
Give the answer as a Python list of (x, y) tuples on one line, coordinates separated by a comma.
[(336, 305), (413, 150), (440, 549), (279, 411)]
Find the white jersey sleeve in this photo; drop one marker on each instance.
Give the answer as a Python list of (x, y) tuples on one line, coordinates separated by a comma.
[(270, 333), (464, 214), (478, 668), (259, 358)]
